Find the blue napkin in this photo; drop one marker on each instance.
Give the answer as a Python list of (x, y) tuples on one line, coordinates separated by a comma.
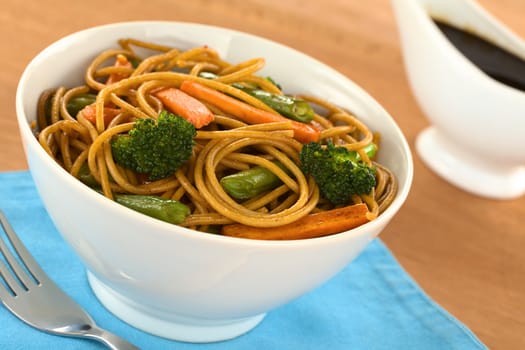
[(372, 304)]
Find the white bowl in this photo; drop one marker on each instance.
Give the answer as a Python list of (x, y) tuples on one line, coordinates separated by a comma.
[(172, 281), (476, 138)]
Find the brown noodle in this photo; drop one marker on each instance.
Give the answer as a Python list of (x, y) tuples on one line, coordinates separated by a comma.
[(224, 146)]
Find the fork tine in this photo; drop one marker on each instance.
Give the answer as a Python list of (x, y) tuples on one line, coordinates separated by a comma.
[(12, 286), (26, 258)]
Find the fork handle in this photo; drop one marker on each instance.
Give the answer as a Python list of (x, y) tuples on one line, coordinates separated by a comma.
[(109, 339)]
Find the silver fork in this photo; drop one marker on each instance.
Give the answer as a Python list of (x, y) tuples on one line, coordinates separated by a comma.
[(33, 297)]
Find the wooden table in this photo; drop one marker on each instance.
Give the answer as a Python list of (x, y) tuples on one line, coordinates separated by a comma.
[(467, 253)]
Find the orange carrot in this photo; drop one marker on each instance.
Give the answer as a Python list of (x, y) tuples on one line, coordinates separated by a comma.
[(186, 106), (90, 113), (121, 61), (302, 132), (310, 226)]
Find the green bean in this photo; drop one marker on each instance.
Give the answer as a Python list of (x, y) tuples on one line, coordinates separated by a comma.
[(84, 175), (208, 75), (249, 183), (135, 61), (168, 210), (78, 102), (370, 150), (288, 106)]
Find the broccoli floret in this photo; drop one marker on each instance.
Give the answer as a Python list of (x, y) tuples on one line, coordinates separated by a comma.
[(157, 148), (338, 172)]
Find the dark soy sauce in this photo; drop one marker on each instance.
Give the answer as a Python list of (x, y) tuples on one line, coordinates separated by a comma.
[(499, 64)]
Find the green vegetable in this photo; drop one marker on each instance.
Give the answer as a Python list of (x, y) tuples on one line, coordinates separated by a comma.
[(288, 106), (78, 102), (135, 61), (84, 175), (157, 148), (48, 106), (270, 79), (208, 75), (167, 210), (338, 172), (370, 150), (249, 183)]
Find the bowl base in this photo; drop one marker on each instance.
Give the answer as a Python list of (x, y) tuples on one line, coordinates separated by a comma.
[(179, 328), (468, 172)]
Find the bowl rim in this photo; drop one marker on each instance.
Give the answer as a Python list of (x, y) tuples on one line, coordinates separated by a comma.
[(164, 227)]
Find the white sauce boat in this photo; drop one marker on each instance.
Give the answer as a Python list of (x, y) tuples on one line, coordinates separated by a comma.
[(476, 139)]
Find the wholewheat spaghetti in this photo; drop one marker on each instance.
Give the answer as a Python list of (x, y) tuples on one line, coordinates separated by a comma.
[(222, 147)]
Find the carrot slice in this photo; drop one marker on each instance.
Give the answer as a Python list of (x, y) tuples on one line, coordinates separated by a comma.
[(302, 132), (310, 226), (90, 113), (121, 61), (186, 106)]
